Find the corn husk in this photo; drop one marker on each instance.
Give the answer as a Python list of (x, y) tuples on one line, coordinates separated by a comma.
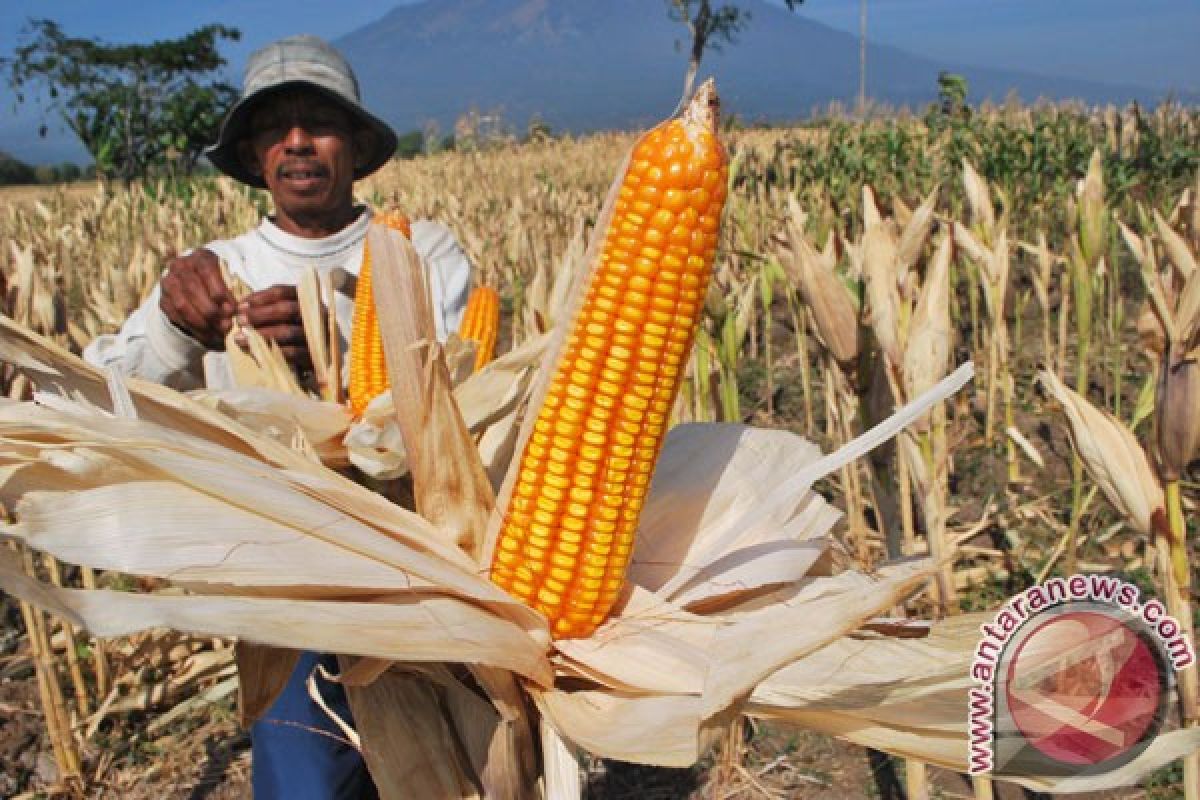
[(930, 337), (979, 199), (1093, 213), (451, 490), (1041, 277), (450, 485), (1178, 252), (182, 517), (490, 401), (882, 278), (1112, 456), (916, 231), (993, 262), (1171, 333), (832, 305), (297, 421), (1177, 419)]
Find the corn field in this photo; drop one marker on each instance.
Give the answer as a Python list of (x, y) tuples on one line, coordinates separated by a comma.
[(858, 263)]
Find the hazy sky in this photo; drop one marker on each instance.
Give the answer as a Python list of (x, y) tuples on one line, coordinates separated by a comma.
[(1151, 43)]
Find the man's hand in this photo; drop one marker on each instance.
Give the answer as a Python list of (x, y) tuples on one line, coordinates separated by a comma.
[(275, 313), (195, 299)]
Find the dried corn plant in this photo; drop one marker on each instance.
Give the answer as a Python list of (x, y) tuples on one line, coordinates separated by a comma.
[(984, 240), (1088, 248), (362, 564), (75, 262), (1174, 297)]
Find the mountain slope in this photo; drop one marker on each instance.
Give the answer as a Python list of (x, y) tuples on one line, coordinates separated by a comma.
[(582, 65)]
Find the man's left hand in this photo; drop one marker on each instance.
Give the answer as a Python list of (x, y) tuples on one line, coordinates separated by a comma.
[(275, 313)]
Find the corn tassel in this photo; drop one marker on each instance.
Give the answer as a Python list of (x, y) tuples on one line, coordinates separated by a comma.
[(568, 531), (481, 320), (368, 368)]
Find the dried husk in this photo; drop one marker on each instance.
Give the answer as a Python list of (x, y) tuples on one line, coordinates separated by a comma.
[(882, 280), (1043, 275), (979, 199), (489, 400), (286, 418), (904, 694), (1186, 319), (930, 336), (451, 489), (1112, 456), (1177, 416), (916, 231), (1193, 206), (1151, 337), (1176, 247), (59, 373), (271, 619), (870, 209), (449, 483), (262, 673), (833, 308), (1155, 322), (655, 685), (410, 746), (993, 261), (1093, 214)]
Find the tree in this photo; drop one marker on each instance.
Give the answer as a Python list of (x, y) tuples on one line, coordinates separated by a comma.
[(704, 22), (410, 144), (14, 171), (137, 108), (952, 94)]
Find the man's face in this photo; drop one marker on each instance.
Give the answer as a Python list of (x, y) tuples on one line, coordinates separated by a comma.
[(305, 148)]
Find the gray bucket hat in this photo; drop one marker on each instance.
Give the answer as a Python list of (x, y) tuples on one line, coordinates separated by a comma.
[(297, 61)]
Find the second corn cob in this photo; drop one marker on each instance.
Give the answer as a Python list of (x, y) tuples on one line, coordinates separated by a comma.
[(568, 530), (481, 321), (368, 368)]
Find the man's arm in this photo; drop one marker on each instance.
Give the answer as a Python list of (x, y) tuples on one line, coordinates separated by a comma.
[(164, 340), (191, 312)]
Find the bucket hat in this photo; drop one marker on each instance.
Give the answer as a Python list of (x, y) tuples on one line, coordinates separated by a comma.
[(297, 61)]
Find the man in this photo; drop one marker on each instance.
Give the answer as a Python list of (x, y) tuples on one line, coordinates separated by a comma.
[(299, 131)]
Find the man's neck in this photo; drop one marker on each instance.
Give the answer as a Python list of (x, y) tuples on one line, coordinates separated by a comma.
[(316, 226)]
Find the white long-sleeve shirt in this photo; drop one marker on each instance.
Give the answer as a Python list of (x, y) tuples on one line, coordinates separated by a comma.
[(148, 346)]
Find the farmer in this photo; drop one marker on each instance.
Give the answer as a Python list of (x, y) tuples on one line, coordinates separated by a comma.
[(299, 130)]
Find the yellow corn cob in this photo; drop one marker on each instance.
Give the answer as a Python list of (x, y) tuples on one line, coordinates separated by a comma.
[(568, 530), (481, 319), (368, 368)]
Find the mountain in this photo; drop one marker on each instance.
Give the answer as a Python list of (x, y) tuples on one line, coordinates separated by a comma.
[(583, 65)]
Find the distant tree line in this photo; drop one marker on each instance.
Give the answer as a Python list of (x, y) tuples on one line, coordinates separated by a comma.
[(14, 171)]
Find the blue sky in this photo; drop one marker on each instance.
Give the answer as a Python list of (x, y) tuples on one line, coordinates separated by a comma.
[(1153, 43)]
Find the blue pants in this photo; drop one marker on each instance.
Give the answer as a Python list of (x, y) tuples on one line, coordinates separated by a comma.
[(298, 752)]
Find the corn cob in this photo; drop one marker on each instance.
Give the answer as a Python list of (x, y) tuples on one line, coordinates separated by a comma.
[(567, 534), (368, 368), (481, 319)]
